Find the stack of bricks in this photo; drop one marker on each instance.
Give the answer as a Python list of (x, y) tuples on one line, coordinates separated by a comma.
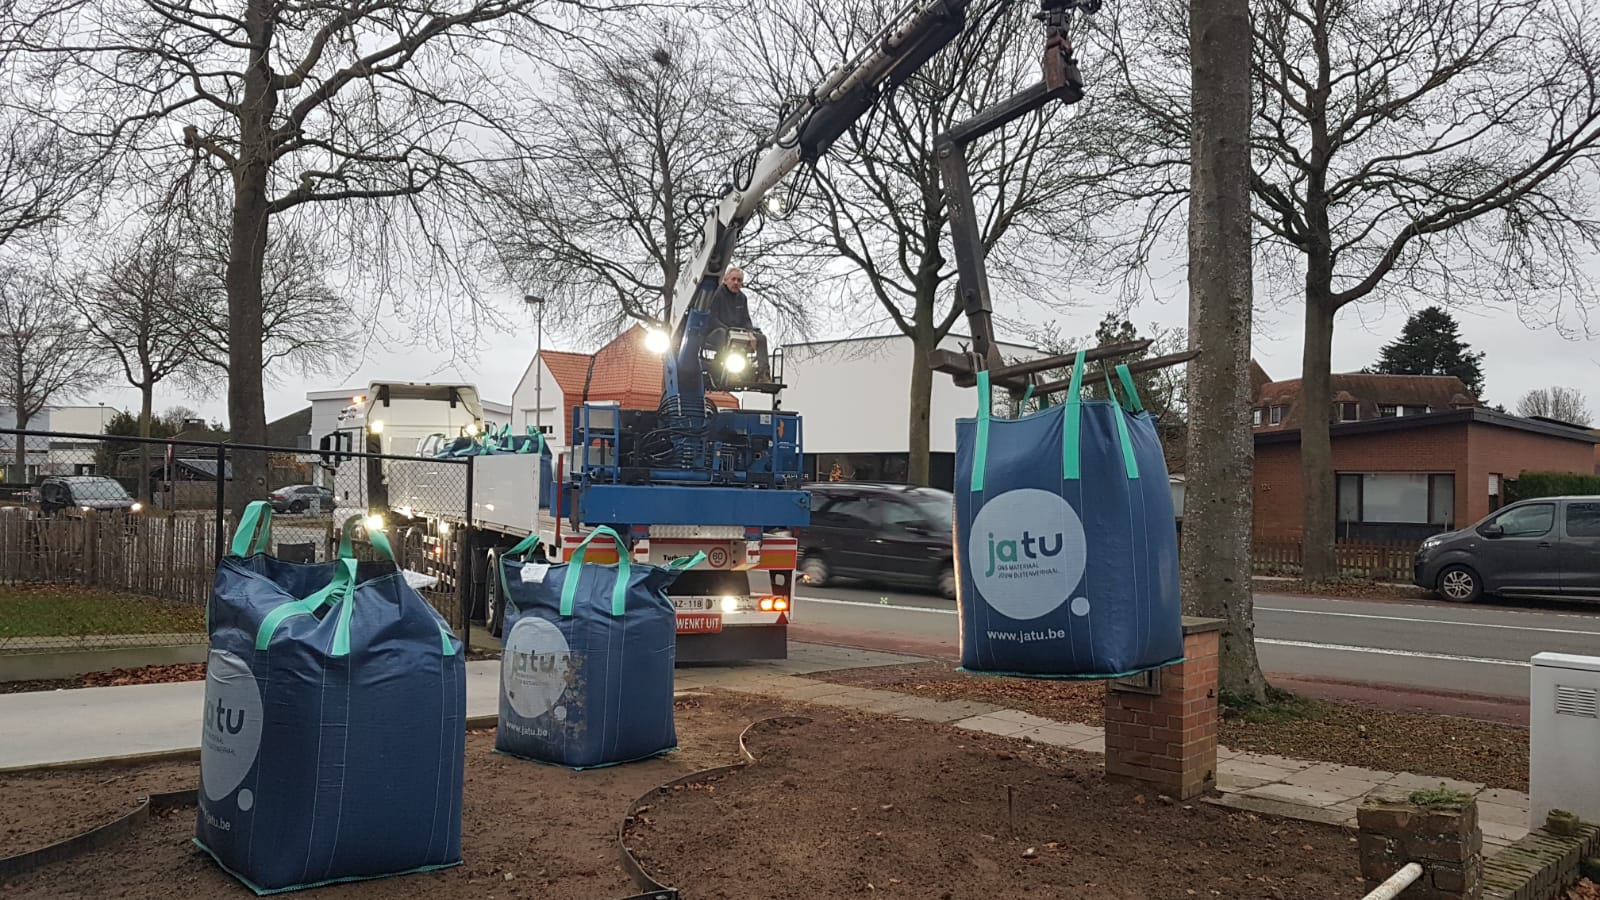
[(1544, 863), (1443, 839), (1168, 740)]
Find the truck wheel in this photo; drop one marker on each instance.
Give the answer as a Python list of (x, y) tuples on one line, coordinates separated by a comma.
[(815, 569), (1459, 584), (494, 607)]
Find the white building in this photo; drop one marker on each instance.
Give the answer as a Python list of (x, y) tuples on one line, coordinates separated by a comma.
[(854, 401)]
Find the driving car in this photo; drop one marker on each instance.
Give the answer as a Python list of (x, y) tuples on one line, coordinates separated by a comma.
[(298, 498), (891, 534), (1544, 547), (84, 492)]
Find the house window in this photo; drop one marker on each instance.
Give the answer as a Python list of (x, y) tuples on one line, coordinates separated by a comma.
[(1256, 416), (1397, 498), (1415, 410), (1388, 412), (1346, 412), (1277, 415), (1494, 493)]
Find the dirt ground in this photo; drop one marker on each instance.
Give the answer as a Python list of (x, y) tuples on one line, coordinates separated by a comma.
[(527, 830), (898, 808), (1347, 733), (912, 808)]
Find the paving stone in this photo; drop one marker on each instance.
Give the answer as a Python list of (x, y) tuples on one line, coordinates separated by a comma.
[(1229, 782), (1344, 788), (1405, 782), (1299, 796), (1503, 831), (1242, 767), (1271, 807), (1505, 815), (1225, 753), (895, 703), (1059, 736), (805, 689), (1284, 763), (1503, 797), (1026, 720), (935, 711), (1092, 745), (990, 724), (1353, 773), (848, 699), (970, 708)]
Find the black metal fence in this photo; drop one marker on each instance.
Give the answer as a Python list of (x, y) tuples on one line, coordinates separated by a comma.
[(113, 541)]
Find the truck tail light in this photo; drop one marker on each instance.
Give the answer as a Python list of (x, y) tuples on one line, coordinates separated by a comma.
[(774, 604)]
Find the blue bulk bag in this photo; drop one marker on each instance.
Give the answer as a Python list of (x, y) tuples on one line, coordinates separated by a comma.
[(334, 735), (586, 670), (1066, 544)]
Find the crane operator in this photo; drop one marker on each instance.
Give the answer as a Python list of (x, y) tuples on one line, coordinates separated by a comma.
[(730, 309)]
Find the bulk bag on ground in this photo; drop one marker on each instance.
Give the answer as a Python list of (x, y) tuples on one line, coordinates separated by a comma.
[(334, 734), (586, 670), (1065, 539)]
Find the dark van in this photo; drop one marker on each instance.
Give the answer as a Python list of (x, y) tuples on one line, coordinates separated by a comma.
[(1547, 547), (888, 534)]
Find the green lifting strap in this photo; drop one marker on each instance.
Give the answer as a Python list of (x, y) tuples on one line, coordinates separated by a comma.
[(375, 537), (1022, 406), (526, 545), (1069, 422), (687, 562), (344, 579), (980, 446), (254, 533), (1124, 440), (619, 590), (1126, 378)]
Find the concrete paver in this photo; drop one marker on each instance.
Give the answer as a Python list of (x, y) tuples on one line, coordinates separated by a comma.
[(1300, 796), (992, 724)]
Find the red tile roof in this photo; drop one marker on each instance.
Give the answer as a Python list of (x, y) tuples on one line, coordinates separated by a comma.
[(625, 372), (1440, 393)]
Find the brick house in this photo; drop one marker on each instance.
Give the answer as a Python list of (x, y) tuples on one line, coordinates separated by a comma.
[(1413, 455)]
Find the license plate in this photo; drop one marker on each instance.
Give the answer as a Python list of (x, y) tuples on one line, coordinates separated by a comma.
[(699, 623), (692, 604)]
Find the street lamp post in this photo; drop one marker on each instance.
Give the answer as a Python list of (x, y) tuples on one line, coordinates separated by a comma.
[(538, 361)]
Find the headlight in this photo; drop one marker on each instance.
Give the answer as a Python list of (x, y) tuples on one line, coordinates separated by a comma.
[(375, 426), (734, 362), (374, 523), (136, 507)]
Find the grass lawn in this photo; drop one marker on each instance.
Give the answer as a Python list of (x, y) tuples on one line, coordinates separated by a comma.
[(66, 610)]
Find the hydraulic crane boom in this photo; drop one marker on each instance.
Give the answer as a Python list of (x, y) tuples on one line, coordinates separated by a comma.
[(906, 42)]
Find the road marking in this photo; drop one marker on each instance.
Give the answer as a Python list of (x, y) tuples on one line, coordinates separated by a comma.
[(1348, 648), (1345, 615), (920, 609)]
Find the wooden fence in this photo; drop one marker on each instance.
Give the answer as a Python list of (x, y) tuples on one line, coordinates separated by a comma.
[(167, 556), (1378, 562)]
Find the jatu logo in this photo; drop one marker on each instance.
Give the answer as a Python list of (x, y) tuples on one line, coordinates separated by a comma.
[(224, 721), (1006, 551)]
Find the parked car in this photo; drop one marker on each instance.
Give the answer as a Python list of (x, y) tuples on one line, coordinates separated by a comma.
[(1546, 547), (298, 498), (884, 533), (85, 492)]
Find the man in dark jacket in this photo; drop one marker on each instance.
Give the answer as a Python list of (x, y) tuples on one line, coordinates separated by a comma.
[(730, 309)]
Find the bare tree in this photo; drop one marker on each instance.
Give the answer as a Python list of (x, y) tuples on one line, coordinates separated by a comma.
[(877, 199), (637, 142), (40, 174), (1562, 403), (1400, 148), (382, 113), (137, 305), (45, 355), (1217, 506)]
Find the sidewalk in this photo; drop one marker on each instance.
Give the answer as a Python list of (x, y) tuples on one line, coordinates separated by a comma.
[(53, 727)]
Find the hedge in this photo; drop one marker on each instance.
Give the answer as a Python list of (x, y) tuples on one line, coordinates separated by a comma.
[(1552, 484)]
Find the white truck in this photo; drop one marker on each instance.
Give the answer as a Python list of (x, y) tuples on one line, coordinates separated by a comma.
[(735, 605)]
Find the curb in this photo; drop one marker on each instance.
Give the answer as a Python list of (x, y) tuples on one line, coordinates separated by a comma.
[(177, 754)]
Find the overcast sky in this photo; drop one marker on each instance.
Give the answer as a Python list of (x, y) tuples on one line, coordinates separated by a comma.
[(1519, 357)]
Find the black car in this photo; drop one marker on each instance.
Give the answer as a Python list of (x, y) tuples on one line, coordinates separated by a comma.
[(1548, 547), (85, 492), (883, 533), (298, 498)]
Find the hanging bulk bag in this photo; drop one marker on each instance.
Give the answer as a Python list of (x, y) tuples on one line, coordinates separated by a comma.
[(1065, 539), (334, 730), (586, 670)]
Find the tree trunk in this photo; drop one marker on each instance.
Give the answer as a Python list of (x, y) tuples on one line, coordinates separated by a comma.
[(1221, 452), (923, 342), (247, 249), (146, 401), (1316, 445), (19, 463)]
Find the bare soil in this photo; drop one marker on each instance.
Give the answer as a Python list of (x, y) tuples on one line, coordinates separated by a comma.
[(1348, 733), (852, 805), (527, 830)]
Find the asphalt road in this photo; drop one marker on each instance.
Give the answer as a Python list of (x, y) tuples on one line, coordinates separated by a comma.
[(1421, 647)]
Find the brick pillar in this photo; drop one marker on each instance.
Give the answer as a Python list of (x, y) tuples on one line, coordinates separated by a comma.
[(1441, 835), (1161, 726)]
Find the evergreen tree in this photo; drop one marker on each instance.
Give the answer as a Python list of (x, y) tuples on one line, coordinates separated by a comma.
[(1430, 344)]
